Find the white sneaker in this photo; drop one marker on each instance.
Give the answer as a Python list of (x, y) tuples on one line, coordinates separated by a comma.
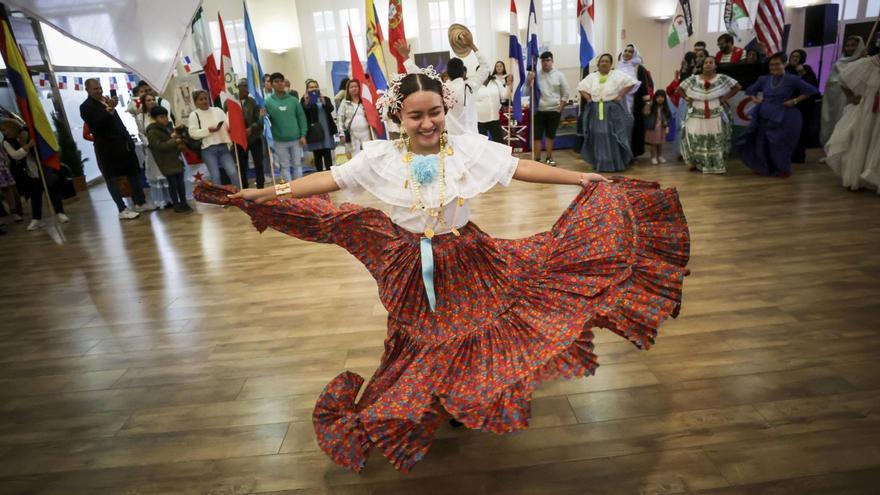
[(35, 224), (128, 214), (654, 161), (145, 207), (662, 160), (61, 217)]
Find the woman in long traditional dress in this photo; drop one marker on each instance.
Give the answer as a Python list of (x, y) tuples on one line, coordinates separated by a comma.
[(630, 63), (678, 103), (834, 100), (769, 142), (605, 122), (475, 323), (798, 66), (705, 140), (853, 151)]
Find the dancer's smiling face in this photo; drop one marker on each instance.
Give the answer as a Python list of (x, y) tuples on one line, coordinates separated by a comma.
[(424, 118)]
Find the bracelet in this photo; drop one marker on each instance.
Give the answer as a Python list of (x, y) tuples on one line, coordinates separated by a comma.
[(283, 191)]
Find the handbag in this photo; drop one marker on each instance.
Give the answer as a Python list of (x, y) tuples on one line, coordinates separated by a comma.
[(346, 131), (314, 134)]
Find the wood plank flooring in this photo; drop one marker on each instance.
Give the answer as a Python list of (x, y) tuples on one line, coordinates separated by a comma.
[(182, 354)]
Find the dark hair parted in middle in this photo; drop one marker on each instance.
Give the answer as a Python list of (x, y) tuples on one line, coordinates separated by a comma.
[(413, 83)]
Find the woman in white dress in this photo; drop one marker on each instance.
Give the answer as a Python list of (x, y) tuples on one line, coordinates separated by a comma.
[(834, 100), (352, 121), (490, 98), (606, 123), (854, 148)]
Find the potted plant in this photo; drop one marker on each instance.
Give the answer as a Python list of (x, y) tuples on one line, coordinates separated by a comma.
[(69, 153)]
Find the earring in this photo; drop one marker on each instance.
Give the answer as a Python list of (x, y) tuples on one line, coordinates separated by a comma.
[(444, 143), (402, 142)]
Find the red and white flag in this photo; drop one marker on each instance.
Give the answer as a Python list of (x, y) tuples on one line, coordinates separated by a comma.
[(770, 24), (396, 31), (228, 93), (368, 89)]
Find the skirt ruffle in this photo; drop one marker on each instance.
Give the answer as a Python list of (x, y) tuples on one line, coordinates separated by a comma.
[(510, 314)]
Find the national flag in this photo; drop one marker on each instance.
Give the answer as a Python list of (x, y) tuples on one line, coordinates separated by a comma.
[(113, 84), (204, 53), (396, 31), (736, 17), (770, 24), (677, 31), (229, 92), (688, 16), (533, 54), (78, 83), (187, 64), (29, 104), (516, 63), (586, 17), (130, 81), (368, 89), (379, 33), (44, 79), (254, 69), (375, 58), (62, 82)]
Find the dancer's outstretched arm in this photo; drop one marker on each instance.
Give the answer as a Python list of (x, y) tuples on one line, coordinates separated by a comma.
[(310, 185), (532, 171)]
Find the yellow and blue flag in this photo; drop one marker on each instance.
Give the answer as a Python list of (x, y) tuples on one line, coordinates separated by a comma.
[(375, 57), (26, 97)]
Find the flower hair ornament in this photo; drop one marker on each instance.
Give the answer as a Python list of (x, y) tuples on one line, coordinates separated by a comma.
[(391, 102)]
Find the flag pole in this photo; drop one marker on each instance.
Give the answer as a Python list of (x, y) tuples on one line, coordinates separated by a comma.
[(238, 168), (46, 190), (532, 117)]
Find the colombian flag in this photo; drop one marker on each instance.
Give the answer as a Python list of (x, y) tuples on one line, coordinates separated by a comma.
[(26, 97)]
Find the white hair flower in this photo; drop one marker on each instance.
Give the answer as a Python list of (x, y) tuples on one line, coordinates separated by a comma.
[(391, 102)]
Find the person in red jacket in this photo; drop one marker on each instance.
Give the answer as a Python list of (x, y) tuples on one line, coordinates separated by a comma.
[(729, 53)]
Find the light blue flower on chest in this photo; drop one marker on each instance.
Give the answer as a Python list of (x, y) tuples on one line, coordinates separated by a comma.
[(424, 168)]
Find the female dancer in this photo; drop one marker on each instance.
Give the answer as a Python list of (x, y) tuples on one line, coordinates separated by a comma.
[(834, 100), (475, 323), (630, 62)]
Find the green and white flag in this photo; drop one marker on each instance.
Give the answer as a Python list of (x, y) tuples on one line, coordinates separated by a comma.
[(736, 17), (677, 31)]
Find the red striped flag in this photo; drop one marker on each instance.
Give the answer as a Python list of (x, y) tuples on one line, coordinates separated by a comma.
[(770, 24), (368, 89), (228, 98)]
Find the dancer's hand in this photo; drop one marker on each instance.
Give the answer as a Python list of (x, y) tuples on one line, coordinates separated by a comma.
[(586, 178), (258, 196)]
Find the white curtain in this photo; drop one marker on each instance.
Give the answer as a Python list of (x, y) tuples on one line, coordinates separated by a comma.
[(144, 36)]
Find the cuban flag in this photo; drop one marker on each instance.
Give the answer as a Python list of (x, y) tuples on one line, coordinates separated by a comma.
[(187, 64), (533, 57), (113, 84), (516, 63), (78, 83), (62, 82), (586, 17)]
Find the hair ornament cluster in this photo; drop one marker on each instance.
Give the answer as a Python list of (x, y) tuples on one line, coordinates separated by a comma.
[(391, 102)]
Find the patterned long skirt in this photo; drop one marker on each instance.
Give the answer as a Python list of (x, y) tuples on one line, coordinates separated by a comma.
[(510, 314), (705, 144)]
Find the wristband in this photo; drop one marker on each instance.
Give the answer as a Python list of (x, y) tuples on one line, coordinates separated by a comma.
[(283, 191)]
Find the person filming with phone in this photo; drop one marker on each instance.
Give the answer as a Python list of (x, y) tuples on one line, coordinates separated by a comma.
[(208, 124), (114, 148)]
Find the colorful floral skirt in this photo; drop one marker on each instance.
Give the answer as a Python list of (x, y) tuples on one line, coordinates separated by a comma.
[(510, 314)]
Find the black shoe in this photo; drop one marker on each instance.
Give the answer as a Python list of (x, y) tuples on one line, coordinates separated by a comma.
[(455, 423)]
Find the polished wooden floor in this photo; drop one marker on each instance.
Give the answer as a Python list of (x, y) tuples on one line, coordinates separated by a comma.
[(183, 354)]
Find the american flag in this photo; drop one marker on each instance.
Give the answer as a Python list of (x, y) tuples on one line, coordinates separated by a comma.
[(770, 24)]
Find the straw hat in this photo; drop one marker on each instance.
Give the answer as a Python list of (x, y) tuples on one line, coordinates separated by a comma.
[(456, 40)]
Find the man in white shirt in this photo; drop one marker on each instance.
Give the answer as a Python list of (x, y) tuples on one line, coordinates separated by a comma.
[(554, 96), (462, 117)]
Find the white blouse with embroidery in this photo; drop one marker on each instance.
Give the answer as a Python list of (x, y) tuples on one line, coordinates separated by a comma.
[(475, 166)]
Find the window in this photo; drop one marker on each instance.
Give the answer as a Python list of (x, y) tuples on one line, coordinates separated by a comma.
[(331, 33), (849, 9), (237, 39), (326, 35), (558, 22), (352, 18), (445, 12), (872, 9), (715, 20)]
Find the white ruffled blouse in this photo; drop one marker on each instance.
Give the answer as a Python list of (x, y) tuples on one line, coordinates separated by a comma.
[(475, 166)]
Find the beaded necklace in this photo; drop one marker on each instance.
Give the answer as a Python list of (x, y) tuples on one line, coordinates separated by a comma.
[(432, 216)]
